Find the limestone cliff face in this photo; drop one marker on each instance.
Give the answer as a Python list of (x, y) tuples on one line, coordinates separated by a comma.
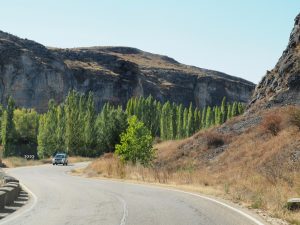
[(32, 74), (282, 84)]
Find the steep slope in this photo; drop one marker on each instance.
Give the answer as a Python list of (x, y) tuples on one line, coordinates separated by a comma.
[(33, 74), (282, 84)]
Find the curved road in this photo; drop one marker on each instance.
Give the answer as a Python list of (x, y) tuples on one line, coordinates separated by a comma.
[(61, 199)]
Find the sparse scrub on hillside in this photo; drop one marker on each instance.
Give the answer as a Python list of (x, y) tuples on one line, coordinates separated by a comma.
[(295, 117), (272, 123), (214, 140)]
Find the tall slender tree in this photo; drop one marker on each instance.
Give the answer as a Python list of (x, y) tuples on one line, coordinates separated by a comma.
[(8, 129)]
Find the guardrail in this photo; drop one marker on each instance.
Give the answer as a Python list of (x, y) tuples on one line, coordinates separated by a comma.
[(9, 192)]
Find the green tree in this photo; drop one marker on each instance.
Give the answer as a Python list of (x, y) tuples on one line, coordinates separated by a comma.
[(8, 129), (208, 120), (166, 122), (203, 119), (223, 113), (89, 126), (179, 121), (229, 111), (73, 137), (136, 143), (60, 128), (234, 109), (241, 108), (185, 122), (26, 126), (110, 123), (47, 136), (190, 121)]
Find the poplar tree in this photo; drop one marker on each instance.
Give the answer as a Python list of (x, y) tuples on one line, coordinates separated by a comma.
[(223, 112), (73, 136), (179, 114), (173, 121), (8, 129), (229, 111), (185, 122), (208, 119), (60, 128), (203, 119), (234, 109), (89, 126), (47, 136), (190, 121)]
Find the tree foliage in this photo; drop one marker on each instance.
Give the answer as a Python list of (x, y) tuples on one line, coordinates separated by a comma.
[(76, 127), (8, 129), (136, 143)]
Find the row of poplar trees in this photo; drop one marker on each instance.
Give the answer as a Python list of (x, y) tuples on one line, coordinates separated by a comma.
[(76, 127), (174, 121)]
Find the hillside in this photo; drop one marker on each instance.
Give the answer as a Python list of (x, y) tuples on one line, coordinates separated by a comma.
[(280, 86), (32, 74), (254, 158)]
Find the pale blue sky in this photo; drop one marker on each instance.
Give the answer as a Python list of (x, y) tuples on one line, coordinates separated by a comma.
[(238, 37)]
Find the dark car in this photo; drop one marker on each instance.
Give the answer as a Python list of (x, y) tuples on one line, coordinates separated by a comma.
[(60, 158)]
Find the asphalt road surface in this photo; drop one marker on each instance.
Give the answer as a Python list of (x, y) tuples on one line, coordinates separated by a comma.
[(61, 199)]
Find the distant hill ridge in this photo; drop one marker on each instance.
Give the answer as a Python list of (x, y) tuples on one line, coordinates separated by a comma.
[(33, 74)]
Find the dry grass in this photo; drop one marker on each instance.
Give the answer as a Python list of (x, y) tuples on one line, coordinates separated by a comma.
[(12, 162), (110, 166), (77, 159), (272, 123), (256, 167)]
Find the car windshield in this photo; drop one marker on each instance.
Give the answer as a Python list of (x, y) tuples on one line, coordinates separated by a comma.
[(59, 156)]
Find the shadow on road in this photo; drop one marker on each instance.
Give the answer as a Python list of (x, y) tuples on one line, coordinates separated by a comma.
[(18, 203)]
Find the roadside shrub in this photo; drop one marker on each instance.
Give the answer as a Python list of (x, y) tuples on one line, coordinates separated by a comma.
[(214, 140), (295, 117), (272, 123), (136, 143)]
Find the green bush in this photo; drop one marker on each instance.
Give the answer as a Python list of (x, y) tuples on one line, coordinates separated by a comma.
[(136, 143)]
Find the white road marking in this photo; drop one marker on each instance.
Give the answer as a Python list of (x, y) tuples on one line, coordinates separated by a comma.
[(20, 213), (125, 210), (223, 204), (256, 221)]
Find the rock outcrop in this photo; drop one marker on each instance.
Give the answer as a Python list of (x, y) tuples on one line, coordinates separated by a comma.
[(281, 86), (32, 74)]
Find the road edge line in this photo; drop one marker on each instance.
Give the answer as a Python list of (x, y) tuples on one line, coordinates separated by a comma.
[(223, 204), (239, 211)]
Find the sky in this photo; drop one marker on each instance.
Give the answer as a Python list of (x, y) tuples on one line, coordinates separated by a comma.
[(238, 37)]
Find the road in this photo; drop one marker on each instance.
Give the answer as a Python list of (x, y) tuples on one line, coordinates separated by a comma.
[(62, 199)]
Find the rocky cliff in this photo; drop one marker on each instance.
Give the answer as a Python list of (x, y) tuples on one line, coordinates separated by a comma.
[(32, 74), (281, 85)]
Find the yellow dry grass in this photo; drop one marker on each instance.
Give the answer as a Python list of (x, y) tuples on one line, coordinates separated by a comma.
[(12, 162)]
